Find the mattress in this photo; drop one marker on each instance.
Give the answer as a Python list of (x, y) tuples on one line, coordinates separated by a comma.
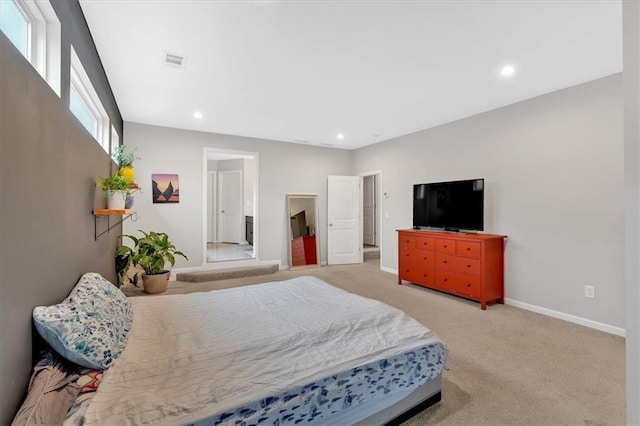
[(284, 352)]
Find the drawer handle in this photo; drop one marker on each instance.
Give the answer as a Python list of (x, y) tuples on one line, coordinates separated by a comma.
[(444, 280), (445, 246), (444, 261), (468, 284), (424, 275), (468, 248), (424, 258), (468, 265), (424, 244)]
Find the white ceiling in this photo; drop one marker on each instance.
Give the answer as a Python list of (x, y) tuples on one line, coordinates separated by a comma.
[(371, 70)]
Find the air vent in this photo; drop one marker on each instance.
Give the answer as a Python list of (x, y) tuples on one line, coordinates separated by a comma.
[(175, 60)]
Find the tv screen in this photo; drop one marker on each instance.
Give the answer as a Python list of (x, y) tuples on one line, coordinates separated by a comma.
[(299, 224), (449, 205)]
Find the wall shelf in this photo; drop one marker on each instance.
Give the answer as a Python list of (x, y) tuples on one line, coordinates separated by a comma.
[(125, 213), (111, 212)]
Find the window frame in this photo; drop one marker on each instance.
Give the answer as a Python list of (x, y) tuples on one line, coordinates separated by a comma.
[(81, 83), (43, 39)]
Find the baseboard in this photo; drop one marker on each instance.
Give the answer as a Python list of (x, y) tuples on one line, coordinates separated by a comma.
[(567, 317), (389, 270), (551, 313)]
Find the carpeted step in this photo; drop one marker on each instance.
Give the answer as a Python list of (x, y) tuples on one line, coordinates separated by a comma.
[(373, 254), (225, 274)]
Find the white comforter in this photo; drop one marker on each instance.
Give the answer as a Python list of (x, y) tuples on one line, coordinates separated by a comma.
[(191, 356)]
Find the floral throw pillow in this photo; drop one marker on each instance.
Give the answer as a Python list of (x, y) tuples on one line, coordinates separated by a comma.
[(91, 326)]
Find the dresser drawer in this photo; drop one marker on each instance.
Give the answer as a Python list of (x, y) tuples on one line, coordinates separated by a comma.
[(468, 248), (456, 283), (425, 243), (445, 246), (458, 264), (426, 257), (406, 242), (416, 273)]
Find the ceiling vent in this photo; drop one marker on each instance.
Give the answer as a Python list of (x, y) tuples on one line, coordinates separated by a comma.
[(174, 60)]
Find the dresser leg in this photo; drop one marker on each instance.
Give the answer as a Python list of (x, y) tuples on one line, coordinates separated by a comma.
[(399, 281), (483, 305), (501, 301)]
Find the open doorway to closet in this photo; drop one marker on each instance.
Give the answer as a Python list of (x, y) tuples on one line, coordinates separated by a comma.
[(371, 217), (230, 205)]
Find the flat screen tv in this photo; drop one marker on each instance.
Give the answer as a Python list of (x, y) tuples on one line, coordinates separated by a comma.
[(299, 224), (457, 205)]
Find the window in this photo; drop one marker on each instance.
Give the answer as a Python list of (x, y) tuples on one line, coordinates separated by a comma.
[(115, 139), (85, 104), (16, 26), (33, 27)]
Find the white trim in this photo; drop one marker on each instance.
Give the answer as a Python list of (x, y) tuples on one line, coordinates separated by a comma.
[(379, 208), (567, 317), (389, 270), (81, 83), (43, 39), (554, 314), (115, 140), (256, 215)]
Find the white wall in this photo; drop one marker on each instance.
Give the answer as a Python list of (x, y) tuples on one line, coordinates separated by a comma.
[(553, 169), (282, 168)]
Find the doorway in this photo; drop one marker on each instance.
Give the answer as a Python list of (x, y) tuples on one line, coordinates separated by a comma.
[(230, 206), (371, 215)]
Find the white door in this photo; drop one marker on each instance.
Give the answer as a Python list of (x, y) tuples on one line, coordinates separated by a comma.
[(344, 201), (230, 206), (369, 210)]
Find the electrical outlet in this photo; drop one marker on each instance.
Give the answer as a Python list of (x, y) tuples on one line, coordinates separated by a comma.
[(590, 291)]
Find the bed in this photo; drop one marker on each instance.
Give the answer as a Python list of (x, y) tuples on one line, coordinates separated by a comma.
[(297, 352)]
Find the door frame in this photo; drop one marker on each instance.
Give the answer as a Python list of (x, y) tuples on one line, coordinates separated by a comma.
[(256, 211), (379, 207)]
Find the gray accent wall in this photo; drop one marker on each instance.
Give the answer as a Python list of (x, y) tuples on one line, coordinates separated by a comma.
[(631, 52), (48, 168), (554, 184), (282, 168)]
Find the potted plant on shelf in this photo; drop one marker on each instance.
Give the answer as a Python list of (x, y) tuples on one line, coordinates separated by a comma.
[(124, 160), (116, 188), (148, 256)]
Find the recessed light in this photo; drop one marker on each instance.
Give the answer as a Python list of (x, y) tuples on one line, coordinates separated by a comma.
[(197, 115), (340, 136), (507, 71)]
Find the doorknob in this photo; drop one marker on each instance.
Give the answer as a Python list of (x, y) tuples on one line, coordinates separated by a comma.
[(221, 211), (331, 224)]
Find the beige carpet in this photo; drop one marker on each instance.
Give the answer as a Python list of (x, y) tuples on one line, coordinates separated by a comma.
[(507, 366)]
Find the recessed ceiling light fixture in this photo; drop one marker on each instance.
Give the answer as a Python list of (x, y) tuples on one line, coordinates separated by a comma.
[(507, 71), (197, 115), (340, 136)]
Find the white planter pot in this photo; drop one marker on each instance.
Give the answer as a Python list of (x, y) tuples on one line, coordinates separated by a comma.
[(116, 199)]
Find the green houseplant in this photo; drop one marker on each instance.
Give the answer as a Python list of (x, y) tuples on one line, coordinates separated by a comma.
[(148, 256), (124, 159), (116, 188)]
